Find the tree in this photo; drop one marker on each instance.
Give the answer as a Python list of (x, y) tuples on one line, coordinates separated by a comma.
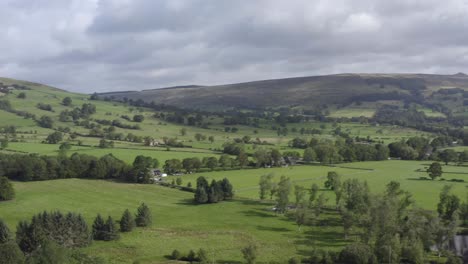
[(67, 101), (227, 189), (448, 204), (201, 196), (309, 155), (282, 196), (21, 95), (179, 181), (265, 185), (127, 222), (299, 194), (191, 257), (313, 193), (211, 139), (49, 253), (138, 118), (242, 159), (46, 122), (6, 189), (98, 228), (250, 254), (5, 233), (434, 170), (175, 255), (202, 256), (110, 230), (301, 217), (183, 131), (449, 155), (357, 253), (54, 138), (4, 143), (10, 253), (143, 217), (333, 180)]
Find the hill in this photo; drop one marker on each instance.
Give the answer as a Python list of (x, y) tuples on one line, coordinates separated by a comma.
[(309, 92)]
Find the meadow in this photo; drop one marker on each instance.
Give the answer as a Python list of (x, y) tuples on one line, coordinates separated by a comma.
[(222, 229)]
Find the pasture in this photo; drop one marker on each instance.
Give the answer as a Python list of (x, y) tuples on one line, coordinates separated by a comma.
[(222, 229)]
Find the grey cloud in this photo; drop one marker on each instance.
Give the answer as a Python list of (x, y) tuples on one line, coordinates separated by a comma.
[(104, 45)]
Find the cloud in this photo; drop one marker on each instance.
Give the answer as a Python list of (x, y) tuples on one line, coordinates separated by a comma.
[(104, 45)]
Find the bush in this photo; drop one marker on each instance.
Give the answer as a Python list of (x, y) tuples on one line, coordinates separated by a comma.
[(175, 255), (6, 189)]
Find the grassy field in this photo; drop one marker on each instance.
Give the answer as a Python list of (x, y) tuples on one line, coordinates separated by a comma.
[(376, 173), (221, 229)]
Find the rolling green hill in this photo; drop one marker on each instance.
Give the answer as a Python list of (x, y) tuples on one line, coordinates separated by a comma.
[(308, 92)]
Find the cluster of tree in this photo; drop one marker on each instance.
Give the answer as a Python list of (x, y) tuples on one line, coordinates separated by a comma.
[(107, 230), (106, 143), (212, 193), (327, 151), (173, 142), (191, 165), (34, 167), (7, 192), (84, 112), (45, 107), (116, 123), (422, 148), (54, 138), (68, 230), (6, 105), (45, 122), (67, 101), (201, 256)]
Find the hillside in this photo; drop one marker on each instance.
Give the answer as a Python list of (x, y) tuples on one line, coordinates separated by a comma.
[(308, 92)]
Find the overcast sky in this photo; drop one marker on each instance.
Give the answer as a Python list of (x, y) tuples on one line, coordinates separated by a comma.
[(109, 45)]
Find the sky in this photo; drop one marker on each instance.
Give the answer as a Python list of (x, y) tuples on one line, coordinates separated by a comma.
[(114, 45)]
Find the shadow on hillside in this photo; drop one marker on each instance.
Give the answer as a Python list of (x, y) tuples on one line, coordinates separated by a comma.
[(258, 213), (186, 202), (274, 229), (228, 261), (321, 238)]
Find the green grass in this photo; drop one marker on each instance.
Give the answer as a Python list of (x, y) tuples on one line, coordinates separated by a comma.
[(221, 229), (425, 192)]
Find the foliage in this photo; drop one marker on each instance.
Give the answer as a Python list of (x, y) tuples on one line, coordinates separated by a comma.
[(282, 195), (127, 222), (7, 192), (250, 254), (68, 230), (434, 170), (143, 217), (10, 253), (54, 138)]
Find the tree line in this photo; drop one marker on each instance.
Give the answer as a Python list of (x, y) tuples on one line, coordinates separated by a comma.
[(33, 167)]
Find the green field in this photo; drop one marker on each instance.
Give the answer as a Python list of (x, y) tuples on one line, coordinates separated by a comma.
[(222, 229), (425, 192)]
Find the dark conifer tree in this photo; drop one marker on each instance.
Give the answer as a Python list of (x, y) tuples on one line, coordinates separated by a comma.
[(98, 228), (127, 222), (227, 189), (110, 230), (5, 233), (201, 196), (143, 217)]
